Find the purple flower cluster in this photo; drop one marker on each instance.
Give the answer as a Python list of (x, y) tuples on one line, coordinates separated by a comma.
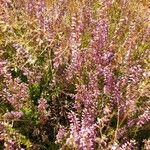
[(61, 134), (144, 118), (42, 110), (13, 115), (128, 145)]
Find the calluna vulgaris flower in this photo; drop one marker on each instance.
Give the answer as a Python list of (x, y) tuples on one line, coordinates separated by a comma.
[(77, 67)]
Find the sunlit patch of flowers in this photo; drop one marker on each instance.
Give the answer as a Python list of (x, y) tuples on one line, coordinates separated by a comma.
[(74, 75)]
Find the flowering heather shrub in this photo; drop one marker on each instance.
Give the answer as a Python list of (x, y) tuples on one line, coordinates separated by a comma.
[(74, 75)]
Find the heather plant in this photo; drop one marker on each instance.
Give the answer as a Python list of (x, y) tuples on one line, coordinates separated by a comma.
[(74, 75)]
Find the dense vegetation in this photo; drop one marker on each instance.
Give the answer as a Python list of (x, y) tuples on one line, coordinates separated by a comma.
[(74, 75)]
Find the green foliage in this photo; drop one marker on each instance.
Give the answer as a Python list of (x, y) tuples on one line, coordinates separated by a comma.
[(85, 39), (35, 93)]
